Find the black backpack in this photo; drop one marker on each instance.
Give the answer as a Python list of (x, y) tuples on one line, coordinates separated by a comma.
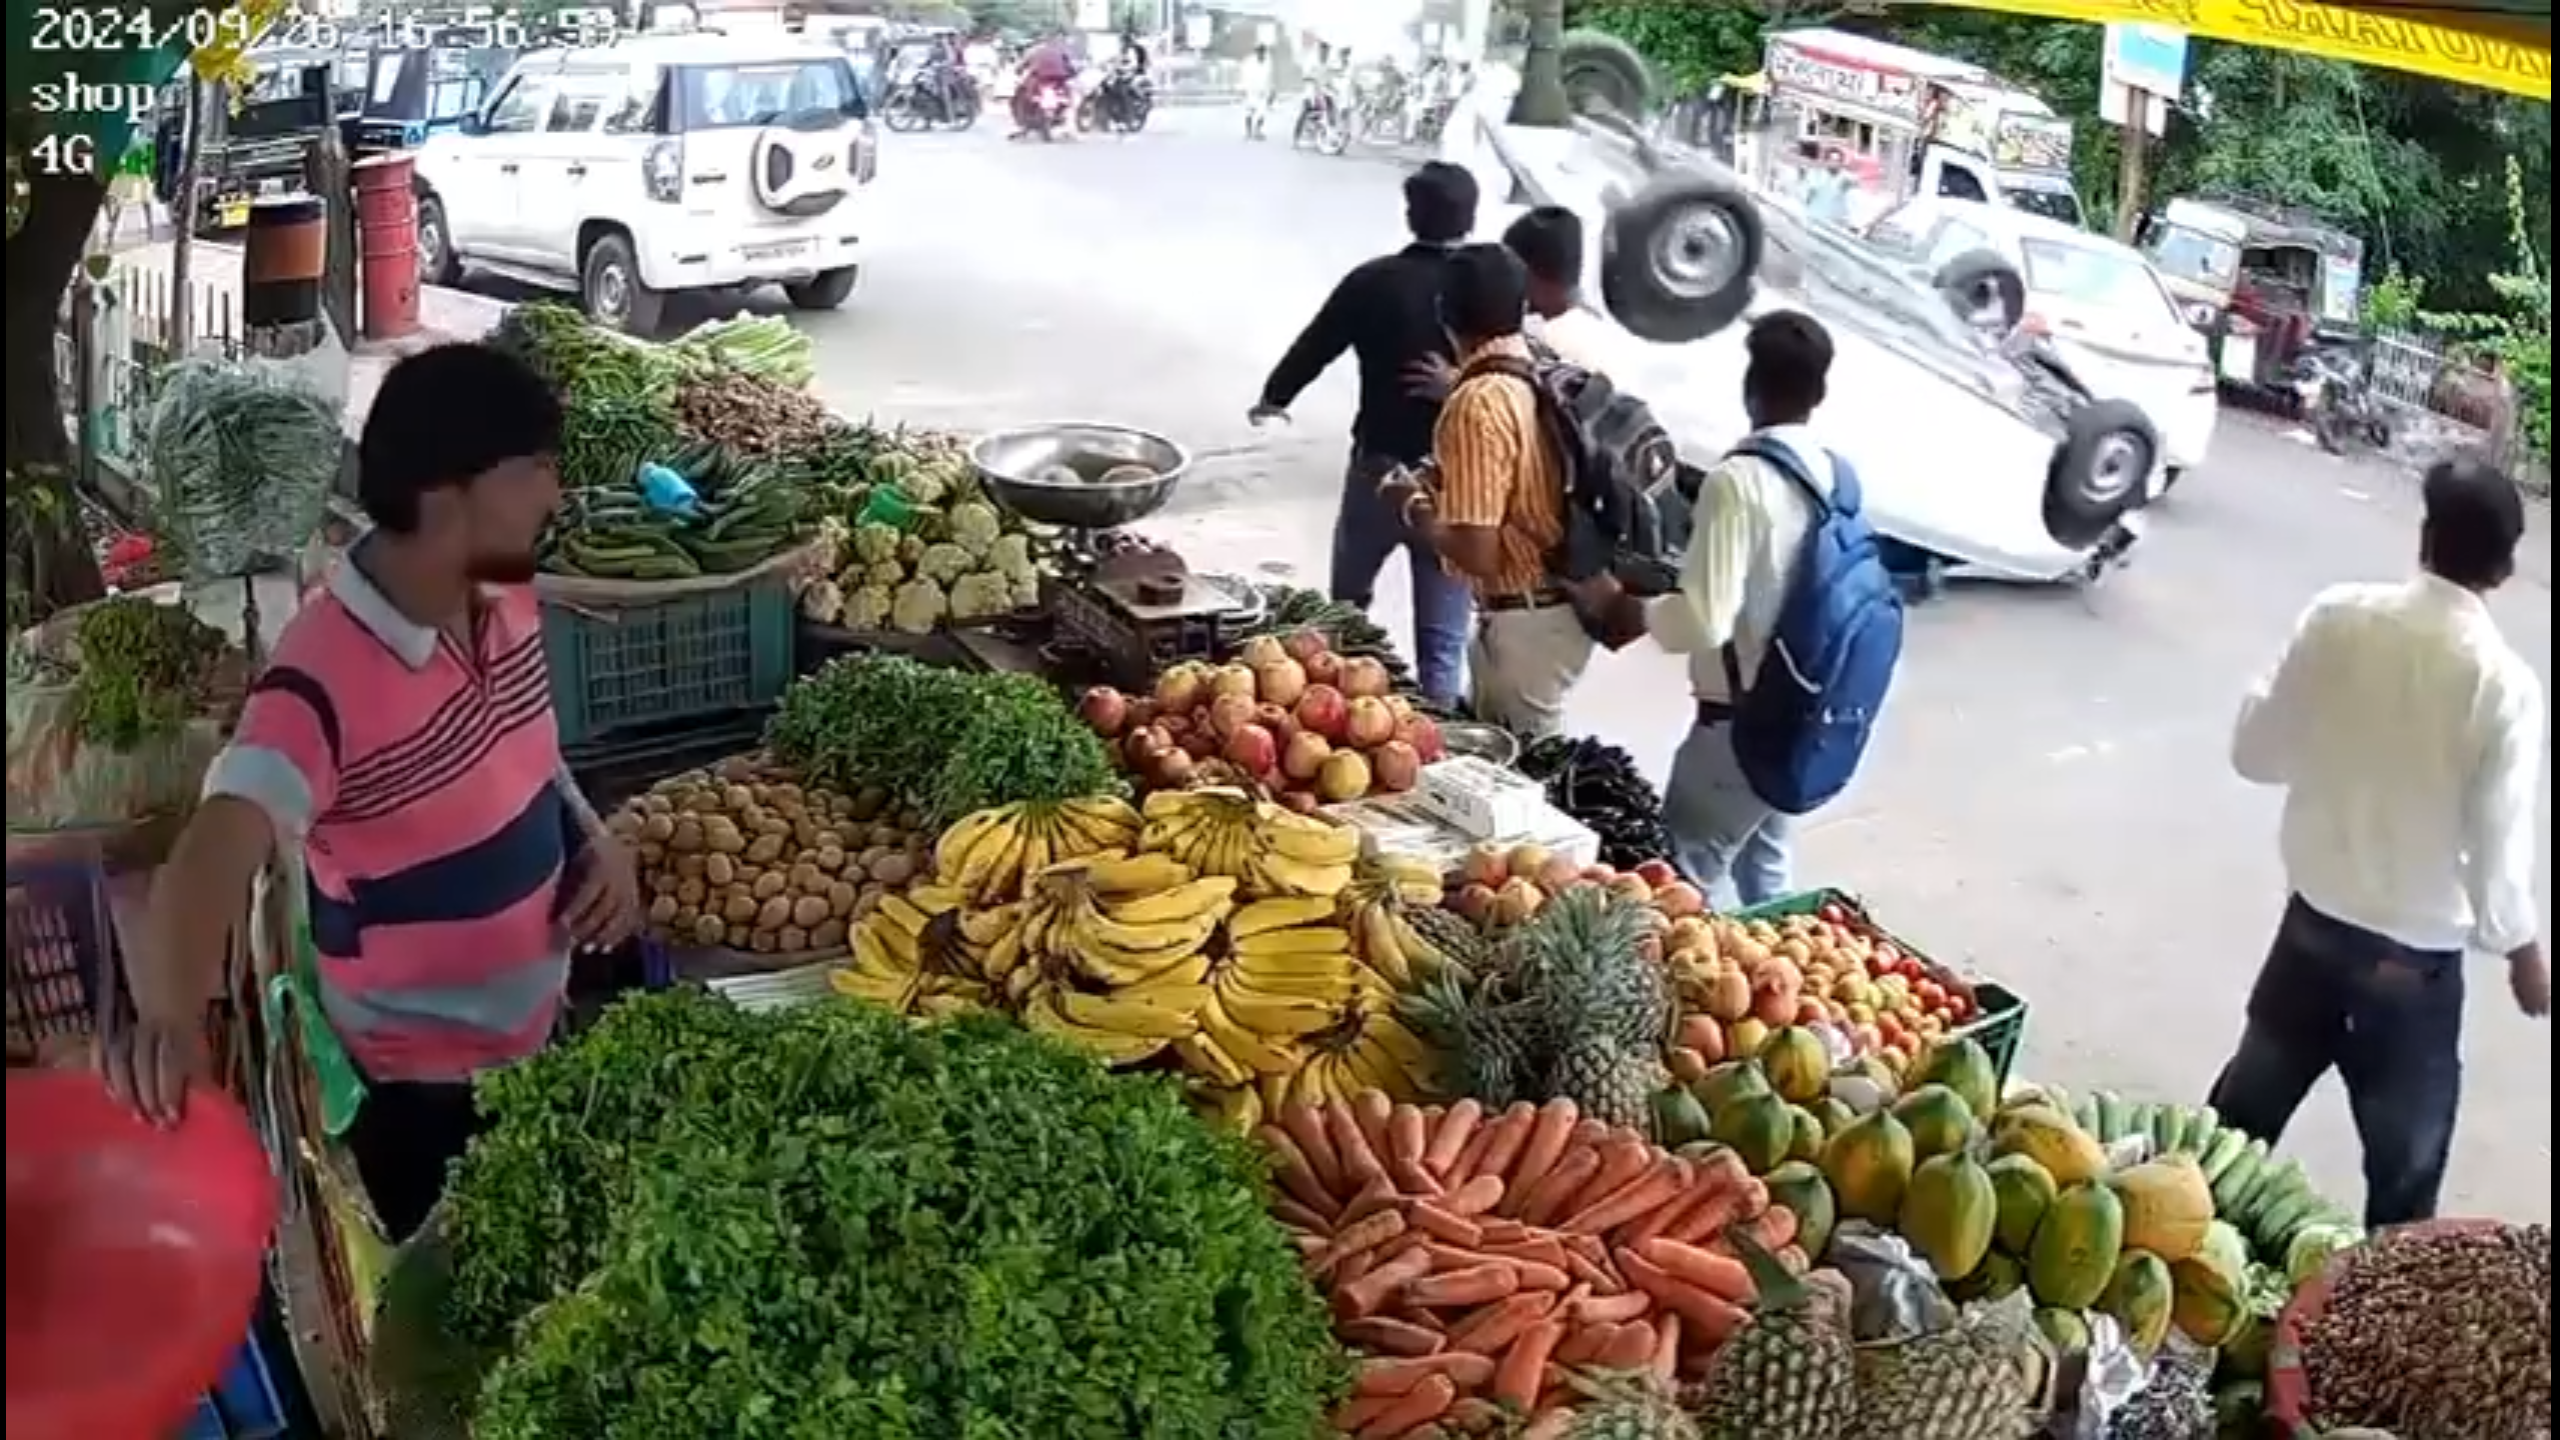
[(1627, 499)]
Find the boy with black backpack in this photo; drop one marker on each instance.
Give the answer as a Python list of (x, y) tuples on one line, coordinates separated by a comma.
[(1792, 626)]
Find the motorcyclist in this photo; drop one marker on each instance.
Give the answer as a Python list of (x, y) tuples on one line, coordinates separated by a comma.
[(945, 81), (1049, 66), (1126, 80)]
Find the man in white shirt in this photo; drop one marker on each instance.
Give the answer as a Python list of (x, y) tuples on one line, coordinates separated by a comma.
[(1256, 80), (2408, 738)]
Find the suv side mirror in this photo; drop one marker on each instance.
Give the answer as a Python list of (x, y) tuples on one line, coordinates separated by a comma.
[(474, 123)]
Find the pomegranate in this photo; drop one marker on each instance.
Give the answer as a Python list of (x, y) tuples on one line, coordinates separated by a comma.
[(1105, 709), (1281, 681), (1142, 711), (1473, 902), (1367, 722), (1398, 768), (1343, 776), (1172, 769), (1657, 872), (1201, 741), (1362, 675), (1305, 755), (1323, 710), (1277, 720), (1251, 748), (1143, 744), (1229, 712), (1182, 686), (1262, 650)]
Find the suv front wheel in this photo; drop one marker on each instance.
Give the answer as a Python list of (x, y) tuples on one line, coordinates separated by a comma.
[(436, 262), (823, 291), (609, 286)]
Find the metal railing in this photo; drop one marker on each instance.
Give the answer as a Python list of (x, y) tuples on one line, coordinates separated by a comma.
[(2445, 404), (115, 335)]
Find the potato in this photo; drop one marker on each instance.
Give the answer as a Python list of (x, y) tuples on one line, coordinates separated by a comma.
[(784, 790), (761, 941), (649, 852), (770, 884), (841, 898), (736, 798), (791, 940), (870, 800), (656, 803), (709, 931), (736, 768), (827, 934), (687, 836), (735, 937), (724, 838), (624, 826), (689, 866), (761, 793), (658, 827), (774, 913), (808, 879), (829, 858), (805, 832), (739, 909), (691, 892), (663, 883), (663, 910), (687, 917), (829, 839), (889, 836), (765, 850), (895, 869), (808, 910), (719, 869), (870, 856)]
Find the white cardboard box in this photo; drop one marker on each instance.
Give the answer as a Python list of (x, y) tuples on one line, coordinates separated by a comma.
[(1485, 800), (1402, 825)]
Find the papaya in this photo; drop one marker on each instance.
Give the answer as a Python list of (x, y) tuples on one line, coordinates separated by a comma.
[(2064, 1150), (1963, 1066), (2073, 1254), (1996, 1276), (2212, 1287), (2167, 1206), (1868, 1164), (1807, 1144), (1947, 1214), (1834, 1113), (2142, 1296), (1729, 1081), (1758, 1128), (1938, 1119), (1797, 1062), (1800, 1189), (2024, 1191), (2065, 1330), (1678, 1118)]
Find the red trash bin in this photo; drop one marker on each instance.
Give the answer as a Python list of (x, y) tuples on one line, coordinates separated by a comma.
[(387, 228)]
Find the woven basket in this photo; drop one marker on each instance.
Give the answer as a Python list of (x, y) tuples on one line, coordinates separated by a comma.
[(2289, 1400)]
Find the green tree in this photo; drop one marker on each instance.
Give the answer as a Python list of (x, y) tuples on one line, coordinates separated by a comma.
[(1542, 99)]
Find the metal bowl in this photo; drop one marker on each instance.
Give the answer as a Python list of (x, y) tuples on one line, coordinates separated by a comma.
[(1490, 743), (1020, 469)]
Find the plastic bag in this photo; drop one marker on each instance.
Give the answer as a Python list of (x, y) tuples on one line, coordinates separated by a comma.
[(1894, 1294), (2097, 1382)]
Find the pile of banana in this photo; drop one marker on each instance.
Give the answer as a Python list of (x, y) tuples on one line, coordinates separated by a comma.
[(1266, 849), (990, 856)]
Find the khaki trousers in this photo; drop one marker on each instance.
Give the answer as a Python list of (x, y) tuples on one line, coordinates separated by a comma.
[(1523, 664)]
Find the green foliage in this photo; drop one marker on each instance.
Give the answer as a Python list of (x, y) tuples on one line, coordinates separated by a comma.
[(2516, 336), (2395, 300), (1692, 46), (832, 1222), (142, 671)]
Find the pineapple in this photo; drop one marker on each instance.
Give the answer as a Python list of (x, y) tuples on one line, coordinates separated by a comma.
[(1485, 1044), (1583, 960), (1631, 1407), (1975, 1380), (1610, 1083), (1789, 1374)]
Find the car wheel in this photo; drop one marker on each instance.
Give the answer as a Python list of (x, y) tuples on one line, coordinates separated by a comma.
[(825, 290), (1677, 262), (1984, 289), (2100, 470), (437, 264), (1603, 72), (609, 285)]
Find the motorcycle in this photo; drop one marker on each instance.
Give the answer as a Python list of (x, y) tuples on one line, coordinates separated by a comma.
[(1043, 109), (1119, 105), (1321, 125), (2338, 403), (912, 105)]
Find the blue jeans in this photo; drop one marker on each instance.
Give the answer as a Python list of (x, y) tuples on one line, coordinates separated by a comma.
[(1366, 531), (1724, 837), (2389, 1019)]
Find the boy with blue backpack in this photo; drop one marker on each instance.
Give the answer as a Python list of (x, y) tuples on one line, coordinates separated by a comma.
[(1790, 620)]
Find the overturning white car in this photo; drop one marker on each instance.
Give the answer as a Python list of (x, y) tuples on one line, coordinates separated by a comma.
[(1984, 457)]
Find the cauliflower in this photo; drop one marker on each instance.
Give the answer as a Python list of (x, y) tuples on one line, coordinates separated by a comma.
[(975, 527), (1026, 591), (944, 563), (822, 601), (918, 606), (887, 574), (910, 548), (1011, 555), (982, 595), (874, 542), (925, 483), (866, 609)]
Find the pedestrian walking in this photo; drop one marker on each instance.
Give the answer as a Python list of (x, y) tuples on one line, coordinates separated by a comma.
[(1387, 314), (1492, 507), (1256, 79), (2407, 735)]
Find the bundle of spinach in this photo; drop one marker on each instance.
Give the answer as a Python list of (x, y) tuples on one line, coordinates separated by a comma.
[(830, 1221), (947, 742), (1022, 743)]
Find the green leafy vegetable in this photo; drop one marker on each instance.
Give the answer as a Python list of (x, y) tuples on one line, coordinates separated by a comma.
[(1021, 744), (142, 670), (948, 742), (832, 1222)]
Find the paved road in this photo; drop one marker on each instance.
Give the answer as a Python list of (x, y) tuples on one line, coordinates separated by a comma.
[(2051, 800)]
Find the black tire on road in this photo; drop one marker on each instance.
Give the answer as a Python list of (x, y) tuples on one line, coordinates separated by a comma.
[(2100, 471), (1678, 261), (1605, 72), (902, 114), (825, 290), (1333, 136), (437, 264), (1977, 281), (610, 291)]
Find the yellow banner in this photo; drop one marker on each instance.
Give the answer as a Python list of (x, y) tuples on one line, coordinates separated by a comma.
[(2447, 45)]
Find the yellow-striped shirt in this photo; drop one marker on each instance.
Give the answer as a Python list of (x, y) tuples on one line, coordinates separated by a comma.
[(1498, 470)]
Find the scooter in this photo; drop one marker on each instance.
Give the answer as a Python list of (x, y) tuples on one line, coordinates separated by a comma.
[(2338, 403), (1044, 110), (1321, 126)]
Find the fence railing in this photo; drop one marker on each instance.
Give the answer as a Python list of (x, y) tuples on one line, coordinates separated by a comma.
[(115, 335), (2445, 404)]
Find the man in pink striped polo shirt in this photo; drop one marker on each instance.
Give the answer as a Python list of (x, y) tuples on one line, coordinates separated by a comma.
[(402, 736)]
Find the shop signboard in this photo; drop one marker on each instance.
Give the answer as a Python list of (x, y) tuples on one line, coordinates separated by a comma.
[(1827, 80), (2032, 142), (2149, 58)]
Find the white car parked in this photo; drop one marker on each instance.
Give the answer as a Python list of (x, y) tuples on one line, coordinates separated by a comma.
[(657, 164), (2099, 304)]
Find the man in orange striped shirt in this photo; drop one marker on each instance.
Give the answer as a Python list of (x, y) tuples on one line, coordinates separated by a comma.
[(1496, 511)]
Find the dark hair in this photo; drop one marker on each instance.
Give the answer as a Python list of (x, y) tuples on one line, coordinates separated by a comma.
[(1440, 203), (1549, 241), (445, 417), (1487, 293), (2474, 518), (1790, 366)]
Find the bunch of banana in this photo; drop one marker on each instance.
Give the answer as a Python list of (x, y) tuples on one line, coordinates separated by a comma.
[(1286, 971), (1117, 950), (1298, 854), (1367, 1048), (909, 955), (991, 854), (1377, 915), (1272, 850), (1234, 1107)]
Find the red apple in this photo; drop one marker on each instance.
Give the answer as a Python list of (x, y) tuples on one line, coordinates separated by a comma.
[(1105, 709), (1658, 873), (1280, 682), (1423, 734), (1323, 667), (1324, 710), (1305, 645), (1278, 720), (1228, 712), (1399, 768), (1362, 675), (1367, 722), (1304, 756), (1252, 748)]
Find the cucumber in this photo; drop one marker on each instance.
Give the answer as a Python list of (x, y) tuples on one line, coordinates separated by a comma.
[(2111, 1116), (2166, 1121), (2204, 1125), (2275, 1182), (2084, 1113), (2238, 1175), (2218, 1155)]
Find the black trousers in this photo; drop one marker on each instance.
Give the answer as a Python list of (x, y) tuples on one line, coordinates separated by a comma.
[(404, 1142), (2388, 1018)]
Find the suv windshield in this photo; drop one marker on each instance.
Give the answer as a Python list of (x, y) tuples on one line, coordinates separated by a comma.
[(2086, 275), (2193, 255), (712, 97)]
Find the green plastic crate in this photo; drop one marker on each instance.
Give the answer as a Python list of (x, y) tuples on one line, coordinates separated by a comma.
[(2000, 1027), (624, 669)]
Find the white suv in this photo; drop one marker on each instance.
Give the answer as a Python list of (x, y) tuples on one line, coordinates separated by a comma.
[(657, 163)]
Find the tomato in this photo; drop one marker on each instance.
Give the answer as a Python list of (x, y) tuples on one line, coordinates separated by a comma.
[(1929, 993), (1835, 913), (1909, 969)]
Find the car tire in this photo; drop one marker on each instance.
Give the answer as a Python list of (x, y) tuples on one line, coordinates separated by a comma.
[(437, 264), (1603, 72), (610, 291), (2099, 471), (1657, 276), (1981, 283), (826, 290)]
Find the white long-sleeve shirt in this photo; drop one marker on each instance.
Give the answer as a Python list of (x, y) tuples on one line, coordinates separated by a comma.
[(2408, 737), (1750, 528)]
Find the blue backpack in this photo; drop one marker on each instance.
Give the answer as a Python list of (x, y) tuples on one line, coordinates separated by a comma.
[(1802, 723)]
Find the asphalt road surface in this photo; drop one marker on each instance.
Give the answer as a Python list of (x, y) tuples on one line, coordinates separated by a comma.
[(2051, 800)]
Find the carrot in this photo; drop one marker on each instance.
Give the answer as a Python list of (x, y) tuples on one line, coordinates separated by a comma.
[(1473, 1198), (1598, 1277), (1664, 1216), (1299, 1218), (1709, 1319), (1523, 1372), (1545, 1200), (1506, 1232), (1449, 1138), (1705, 1219), (1396, 1375), (1665, 1361), (1488, 1330), (1548, 1135), (1622, 1162), (1755, 1200), (1373, 1109), (1376, 1196), (1588, 1131), (1533, 1276), (1360, 1164), (1629, 1347), (1289, 1166), (1370, 1293), (1581, 1344), (1415, 1181), (1427, 1402), (1726, 1165), (1305, 1124), (1543, 1250), (1718, 1275), (1407, 1135), (1775, 1229), (1391, 1337), (1366, 1234), (1458, 1230), (1411, 1239), (1668, 1178), (1611, 1309), (1471, 1158), (1352, 1268), (1307, 1244), (1475, 1285)]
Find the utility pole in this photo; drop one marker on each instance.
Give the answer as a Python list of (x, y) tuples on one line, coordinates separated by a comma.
[(2133, 159)]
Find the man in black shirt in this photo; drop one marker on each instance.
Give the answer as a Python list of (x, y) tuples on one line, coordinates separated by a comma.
[(1387, 313)]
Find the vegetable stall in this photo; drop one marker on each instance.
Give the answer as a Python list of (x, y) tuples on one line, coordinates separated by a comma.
[(1117, 1005)]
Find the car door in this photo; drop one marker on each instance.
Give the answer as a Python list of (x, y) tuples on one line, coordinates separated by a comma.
[(510, 132), (561, 163)]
